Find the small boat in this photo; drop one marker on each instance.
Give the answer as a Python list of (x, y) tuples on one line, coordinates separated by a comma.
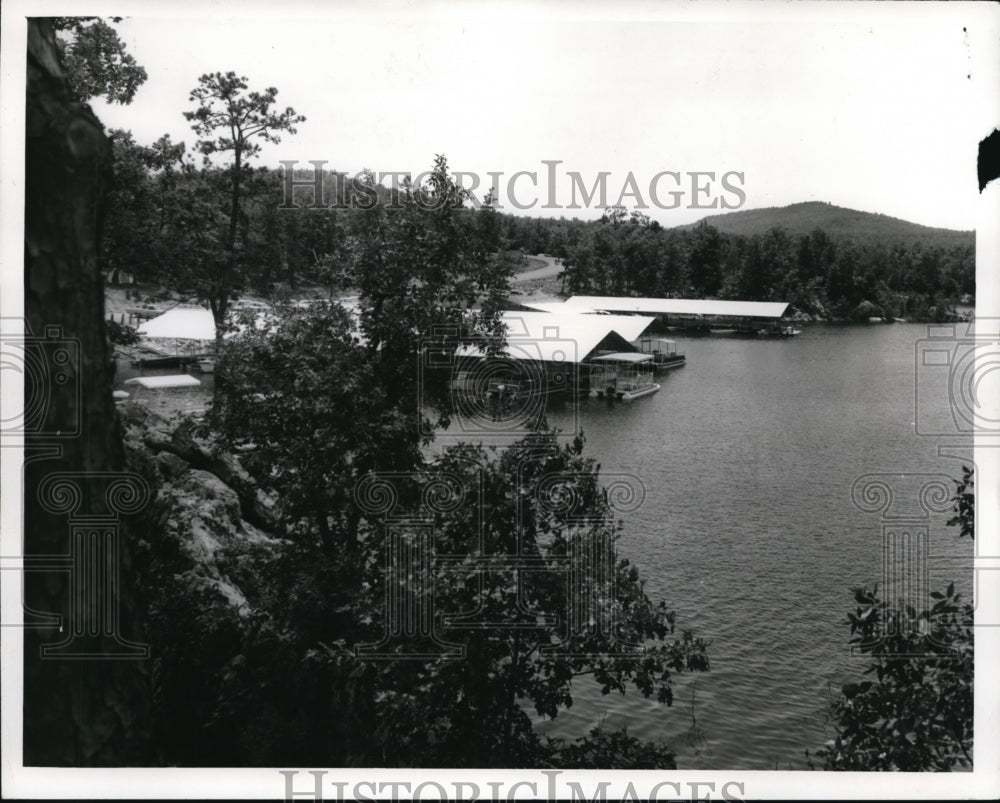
[(665, 354), (780, 331), (624, 375), (628, 395)]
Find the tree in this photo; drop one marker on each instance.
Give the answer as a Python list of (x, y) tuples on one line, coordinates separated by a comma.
[(522, 646), (528, 636), (301, 388), (705, 258), (96, 61), (76, 712), (137, 235), (420, 265), (325, 395), (229, 118), (917, 713), (579, 270)]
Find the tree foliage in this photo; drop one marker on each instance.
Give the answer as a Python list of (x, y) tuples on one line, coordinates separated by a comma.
[(121, 334), (603, 749), (326, 394), (916, 713), (96, 61), (420, 264), (816, 273), (965, 505), (523, 649), (230, 119), (300, 387), (141, 233)]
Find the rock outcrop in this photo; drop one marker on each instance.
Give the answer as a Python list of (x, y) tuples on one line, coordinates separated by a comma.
[(208, 517)]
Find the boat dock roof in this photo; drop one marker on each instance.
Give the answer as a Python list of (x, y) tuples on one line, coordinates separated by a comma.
[(188, 323), (563, 337), (666, 306), (162, 382), (624, 356)]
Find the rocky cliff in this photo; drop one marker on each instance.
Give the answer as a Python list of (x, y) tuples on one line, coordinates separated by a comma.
[(207, 518)]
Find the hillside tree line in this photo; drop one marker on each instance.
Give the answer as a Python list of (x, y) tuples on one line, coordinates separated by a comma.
[(170, 212)]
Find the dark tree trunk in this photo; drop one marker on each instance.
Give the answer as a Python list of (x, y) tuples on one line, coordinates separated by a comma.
[(86, 690)]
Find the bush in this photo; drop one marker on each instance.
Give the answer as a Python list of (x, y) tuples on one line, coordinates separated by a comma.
[(120, 334), (616, 750), (917, 712)]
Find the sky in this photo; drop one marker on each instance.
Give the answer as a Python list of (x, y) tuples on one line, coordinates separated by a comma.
[(872, 107)]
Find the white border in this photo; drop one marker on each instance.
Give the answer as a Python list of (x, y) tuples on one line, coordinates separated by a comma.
[(984, 782)]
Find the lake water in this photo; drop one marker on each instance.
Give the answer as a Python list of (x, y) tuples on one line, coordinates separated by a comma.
[(748, 455)]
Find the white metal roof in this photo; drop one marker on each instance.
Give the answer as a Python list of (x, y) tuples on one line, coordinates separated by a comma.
[(190, 323), (168, 381), (628, 326), (676, 306), (561, 337), (547, 306)]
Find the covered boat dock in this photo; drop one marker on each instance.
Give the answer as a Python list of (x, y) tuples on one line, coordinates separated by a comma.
[(547, 353), (763, 317)]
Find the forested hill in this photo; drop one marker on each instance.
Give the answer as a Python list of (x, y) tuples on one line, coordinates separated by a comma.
[(827, 262), (838, 222)]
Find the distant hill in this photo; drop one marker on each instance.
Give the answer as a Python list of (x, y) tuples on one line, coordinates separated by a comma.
[(838, 222)]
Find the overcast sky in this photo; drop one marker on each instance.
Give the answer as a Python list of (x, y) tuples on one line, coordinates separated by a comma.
[(865, 106)]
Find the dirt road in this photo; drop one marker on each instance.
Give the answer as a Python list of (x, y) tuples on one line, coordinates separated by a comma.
[(552, 268)]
